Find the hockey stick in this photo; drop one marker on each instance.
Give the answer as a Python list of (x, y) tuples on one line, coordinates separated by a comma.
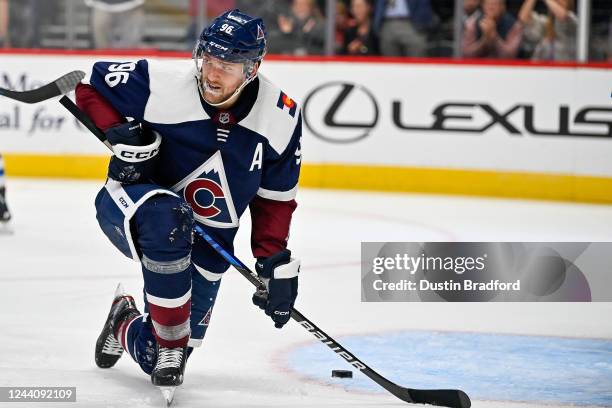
[(84, 119), (445, 398), (60, 86)]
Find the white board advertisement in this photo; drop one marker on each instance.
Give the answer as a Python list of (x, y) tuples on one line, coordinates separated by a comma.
[(485, 117)]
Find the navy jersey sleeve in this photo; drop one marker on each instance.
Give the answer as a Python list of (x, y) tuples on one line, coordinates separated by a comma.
[(125, 85), (280, 173)]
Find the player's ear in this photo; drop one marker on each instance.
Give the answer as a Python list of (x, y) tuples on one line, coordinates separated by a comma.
[(256, 68)]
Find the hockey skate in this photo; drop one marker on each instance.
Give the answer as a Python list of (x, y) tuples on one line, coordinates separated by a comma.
[(168, 371), (5, 215), (108, 349)]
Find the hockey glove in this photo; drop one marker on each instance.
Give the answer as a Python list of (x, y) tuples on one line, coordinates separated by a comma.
[(134, 150), (280, 274)]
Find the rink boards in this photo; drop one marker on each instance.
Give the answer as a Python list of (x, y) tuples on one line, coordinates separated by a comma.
[(510, 130)]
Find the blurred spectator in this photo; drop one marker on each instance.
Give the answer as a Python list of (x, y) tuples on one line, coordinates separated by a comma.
[(401, 25), (610, 40), (361, 39), (552, 36), (117, 23), (19, 23), (600, 29), (469, 8), (4, 19), (343, 23), (301, 32), (494, 34), (441, 41)]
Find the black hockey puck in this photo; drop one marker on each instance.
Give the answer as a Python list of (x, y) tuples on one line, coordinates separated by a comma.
[(342, 373)]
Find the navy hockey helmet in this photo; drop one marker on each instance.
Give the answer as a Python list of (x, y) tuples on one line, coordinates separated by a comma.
[(234, 37)]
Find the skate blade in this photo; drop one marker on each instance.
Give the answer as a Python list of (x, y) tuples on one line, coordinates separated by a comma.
[(168, 393), (119, 291)]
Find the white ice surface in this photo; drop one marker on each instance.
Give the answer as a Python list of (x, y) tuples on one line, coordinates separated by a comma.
[(58, 273)]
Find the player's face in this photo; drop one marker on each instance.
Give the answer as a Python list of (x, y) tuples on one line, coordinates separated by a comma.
[(220, 78)]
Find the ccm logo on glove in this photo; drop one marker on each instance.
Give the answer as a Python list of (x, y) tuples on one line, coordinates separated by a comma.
[(134, 148), (138, 156)]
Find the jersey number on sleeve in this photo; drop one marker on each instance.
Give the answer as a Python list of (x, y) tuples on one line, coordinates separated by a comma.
[(119, 73)]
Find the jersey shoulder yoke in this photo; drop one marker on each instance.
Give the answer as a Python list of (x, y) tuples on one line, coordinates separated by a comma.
[(273, 116), (174, 93)]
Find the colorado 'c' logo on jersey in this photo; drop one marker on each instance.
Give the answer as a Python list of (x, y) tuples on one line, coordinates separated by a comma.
[(207, 191), (204, 187)]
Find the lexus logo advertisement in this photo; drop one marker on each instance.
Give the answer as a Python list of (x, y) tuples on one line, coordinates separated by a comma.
[(329, 112), (346, 112)]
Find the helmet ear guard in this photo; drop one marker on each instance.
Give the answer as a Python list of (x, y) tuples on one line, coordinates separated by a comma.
[(250, 68)]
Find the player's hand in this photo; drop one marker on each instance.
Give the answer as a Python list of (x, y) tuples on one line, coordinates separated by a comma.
[(280, 274), (134, 151)]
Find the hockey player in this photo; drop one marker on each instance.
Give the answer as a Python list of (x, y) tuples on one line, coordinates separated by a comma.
[(5, 215), (205, 140)]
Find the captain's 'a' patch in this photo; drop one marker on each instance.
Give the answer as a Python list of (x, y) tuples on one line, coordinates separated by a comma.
[(285, 102)]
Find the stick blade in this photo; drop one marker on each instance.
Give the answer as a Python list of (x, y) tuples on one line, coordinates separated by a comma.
[(441, 398), (60, 86), (69, 81)]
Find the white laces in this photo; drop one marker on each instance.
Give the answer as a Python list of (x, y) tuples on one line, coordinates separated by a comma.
[(169, 357), (112, 346)]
